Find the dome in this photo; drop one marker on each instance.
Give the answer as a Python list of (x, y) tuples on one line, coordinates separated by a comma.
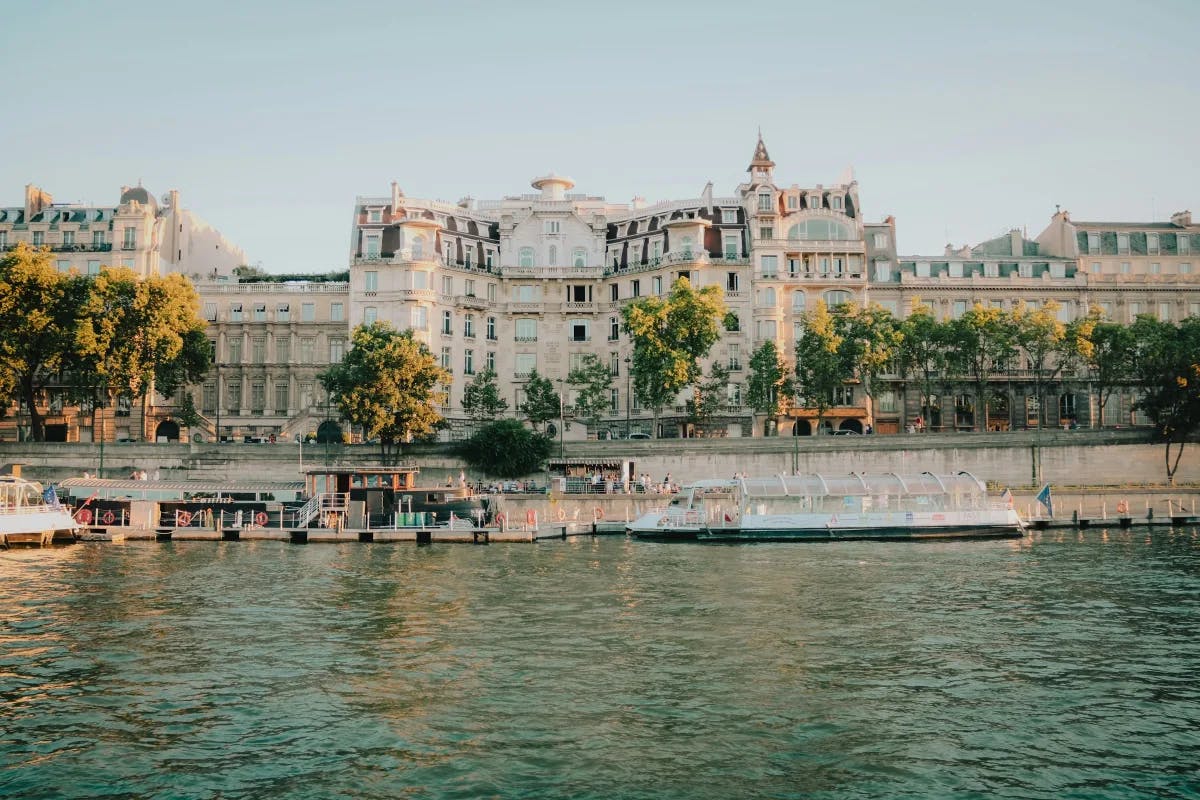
[(138, 194)]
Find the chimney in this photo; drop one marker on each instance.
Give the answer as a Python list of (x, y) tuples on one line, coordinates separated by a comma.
[(35, 200)]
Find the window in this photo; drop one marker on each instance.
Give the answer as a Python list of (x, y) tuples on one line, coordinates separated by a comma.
[(552, 259), (370, 314), (635, 288), (656, 249), (526, 330), (1155, 268), (1124, 267), (281, 397), (798, 302), (577, 361), (1122, 242), (491, 328), (728, 216), (235, 312), (835, 202), (233, 396), (374, 215), (283, 312), (235, 350), (836, 298), (769, 266), (336, 312), (1134, 310), (656, 285), (1185, 268), (258, 397), (283, 349), (98, 239), (1058, 270), (489, 361), (551, 226), (883, 270), (794, 266), (766, 329), (130, 241), (613, 292), (823, 266), (68, 238), (821, 230), (766, 297), (960, 308), (1095, 267), (208, 398), (1183, 244), (1164, 312), (468, 362), (525, 363), (730, 245), (766, 232), (687, 244), (1194, 309), (635, 254), (3, 240), (579, 293), (793, 202), (491, 292), (372, 249), (308, 312), (420, 280), (308, 346), (307, 395), (371, 281), (1106, 308), (447, 323), (469, 326), (614, 400), (260, 312), (447, 355), (39, 238), (337, 349), (419, 318), (579, 257), (735, 356), (838, 266), (447, 285), (1093, 243), (93, 267), (764, 201), (579, 330), (258, 350), (614, 329), (467, 251), (210, 312), (843, 395), (956, 269), (1152, 243), (526, 257), (731, 281), (529, 294), (880, 241)]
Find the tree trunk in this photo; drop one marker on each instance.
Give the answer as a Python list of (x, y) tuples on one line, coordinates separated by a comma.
[(37, 427)]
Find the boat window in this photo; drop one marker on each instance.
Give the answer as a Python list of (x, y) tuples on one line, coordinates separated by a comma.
[(356, 481), (431, 498), (373, 481)]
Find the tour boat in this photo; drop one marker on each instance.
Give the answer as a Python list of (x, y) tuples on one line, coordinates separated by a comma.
[(32, 516), (827, 507)]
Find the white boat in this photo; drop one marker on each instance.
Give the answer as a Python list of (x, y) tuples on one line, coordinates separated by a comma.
[(821, 508), (28, 518)]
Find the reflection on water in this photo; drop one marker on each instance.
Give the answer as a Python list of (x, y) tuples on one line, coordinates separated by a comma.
[(1061, 665)]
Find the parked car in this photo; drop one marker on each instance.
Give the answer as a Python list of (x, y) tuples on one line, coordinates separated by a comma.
[(845, 432), (638, 436)]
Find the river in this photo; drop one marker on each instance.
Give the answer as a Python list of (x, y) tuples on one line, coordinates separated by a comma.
[(1062, 665)]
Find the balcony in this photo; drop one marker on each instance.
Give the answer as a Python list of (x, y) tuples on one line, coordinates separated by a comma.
[(815, 245), (82, 248), (470, 301), (552, 272), (579, 306), (129, 246)]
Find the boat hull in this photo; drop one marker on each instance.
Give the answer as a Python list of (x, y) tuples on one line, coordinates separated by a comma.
[(828, 534)]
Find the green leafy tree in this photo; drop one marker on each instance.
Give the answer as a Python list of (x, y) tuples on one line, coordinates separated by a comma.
[(506, 449), (821, 366), (39, 324), (591, 380), (710, 394), (670, 335), (186, 412), (770, 384), (481, 397), (1109, 359), (871, 340), (979, 342), (542, 402), (390, 384), (1044, 340), (1167, 365), (922, 352)]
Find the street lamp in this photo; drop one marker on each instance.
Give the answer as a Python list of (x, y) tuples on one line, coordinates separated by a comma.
[(218, 436), (628, 397), (562, 418)]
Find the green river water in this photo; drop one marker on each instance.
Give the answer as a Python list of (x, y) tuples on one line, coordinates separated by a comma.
[(1063, 665)]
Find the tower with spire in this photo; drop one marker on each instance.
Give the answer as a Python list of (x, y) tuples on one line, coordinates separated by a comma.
[(762, 168)]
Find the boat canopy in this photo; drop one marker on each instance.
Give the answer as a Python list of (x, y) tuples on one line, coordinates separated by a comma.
[(109, 488), (18, 493), (889, 484)]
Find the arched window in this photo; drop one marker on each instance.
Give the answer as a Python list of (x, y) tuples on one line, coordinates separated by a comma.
[(836, 298), (824, 229), (526, 257), (553, 255), (798, 301), (580, 257)]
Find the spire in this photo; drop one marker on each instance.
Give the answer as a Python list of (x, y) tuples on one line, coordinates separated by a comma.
[(761, 160)]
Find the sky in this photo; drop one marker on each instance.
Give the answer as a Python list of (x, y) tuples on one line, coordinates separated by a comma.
[(961, 119)]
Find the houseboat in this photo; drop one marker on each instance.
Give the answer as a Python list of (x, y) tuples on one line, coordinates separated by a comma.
[(374, 497), (32, 516), (817, 507)]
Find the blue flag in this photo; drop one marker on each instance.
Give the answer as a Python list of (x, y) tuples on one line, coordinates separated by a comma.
[(50, 497), (1045, 499)]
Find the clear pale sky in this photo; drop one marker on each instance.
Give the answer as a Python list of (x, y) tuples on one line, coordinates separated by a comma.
[(961, 119)]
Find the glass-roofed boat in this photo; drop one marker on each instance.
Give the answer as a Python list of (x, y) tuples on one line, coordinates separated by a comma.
[(816, 507)]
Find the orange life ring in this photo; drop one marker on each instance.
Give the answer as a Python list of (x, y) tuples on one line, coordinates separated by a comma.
[(182, 519), (1123, 507), (108, 517), (83, 516), (561, 514), (598, 513), (530, 517), (502, 519), (261, 518)]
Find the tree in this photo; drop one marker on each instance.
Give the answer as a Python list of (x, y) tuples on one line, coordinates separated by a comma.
[(193, 362), (922, 351), (506, 449), (592, 380), (1167, 365), (390, 384), (481, 397), (39, 321), (709, 394), (980, 341), (870, 341), (820, 365), (1043, 338), (769, 385), (542, 402), (1109, 359), (670, 335)]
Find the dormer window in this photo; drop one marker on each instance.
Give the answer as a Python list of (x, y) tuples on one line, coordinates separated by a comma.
[(551, 226), (793, 202), (764, 201), (814, 201), (835, 202), (728, 216), (374, 215)]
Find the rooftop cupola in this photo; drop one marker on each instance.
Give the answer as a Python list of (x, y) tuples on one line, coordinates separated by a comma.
[(553, 187), (761, 166)]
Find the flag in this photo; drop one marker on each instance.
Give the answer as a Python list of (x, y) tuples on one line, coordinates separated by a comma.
[(1007, 498), (1045, 499), (50, 497)]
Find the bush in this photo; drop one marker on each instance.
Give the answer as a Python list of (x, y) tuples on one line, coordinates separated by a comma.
[(506, 449)]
